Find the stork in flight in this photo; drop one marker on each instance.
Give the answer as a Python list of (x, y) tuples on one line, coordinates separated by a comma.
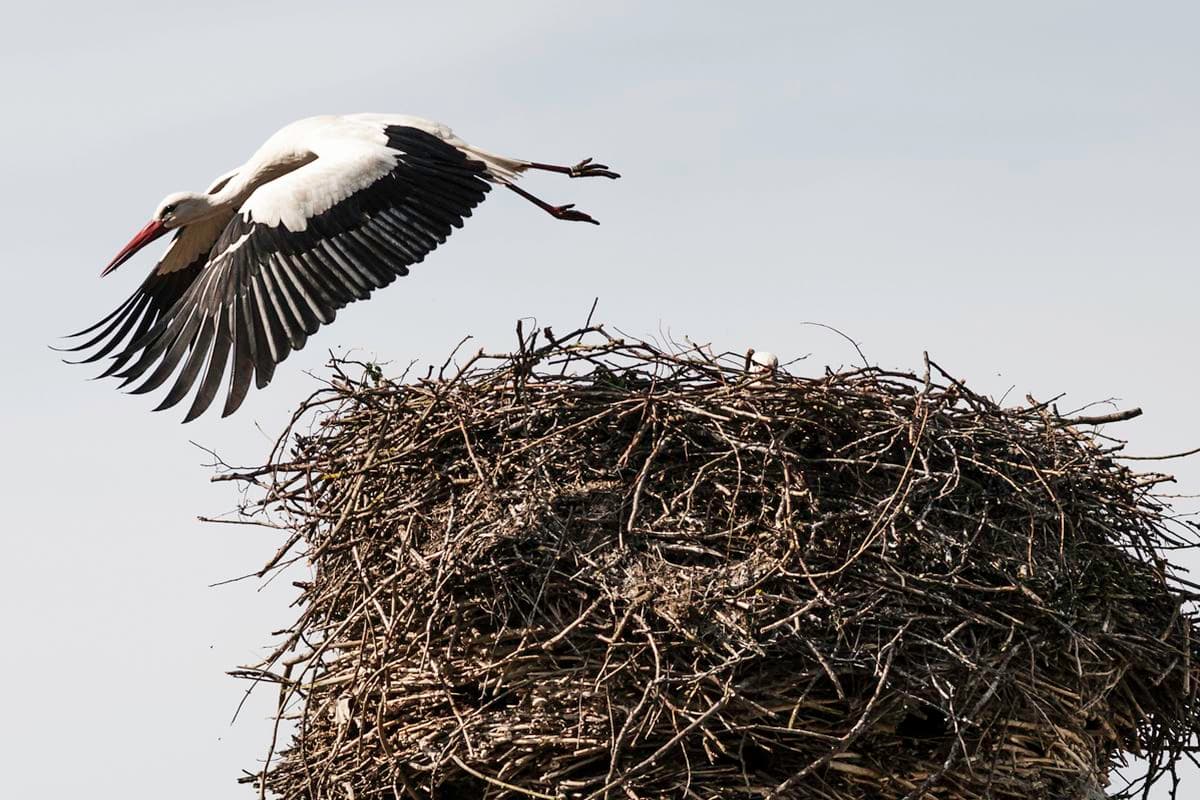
[(326, 211)]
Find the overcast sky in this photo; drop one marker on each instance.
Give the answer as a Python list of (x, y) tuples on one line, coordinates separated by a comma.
[(1012, 188)]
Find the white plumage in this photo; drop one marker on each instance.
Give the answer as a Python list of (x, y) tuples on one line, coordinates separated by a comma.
[(760, 362)]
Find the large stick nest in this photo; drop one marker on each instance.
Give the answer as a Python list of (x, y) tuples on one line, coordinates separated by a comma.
[(597, 569)]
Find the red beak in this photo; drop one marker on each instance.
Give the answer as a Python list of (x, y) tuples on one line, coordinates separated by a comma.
[(145, 236)]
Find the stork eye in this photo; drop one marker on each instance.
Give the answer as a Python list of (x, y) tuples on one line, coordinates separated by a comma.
[(168, 209)]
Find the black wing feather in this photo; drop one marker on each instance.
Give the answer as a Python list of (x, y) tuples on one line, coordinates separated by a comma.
[(191, 369), (180, 342), (211, 382), (243, 356), (154, 298)]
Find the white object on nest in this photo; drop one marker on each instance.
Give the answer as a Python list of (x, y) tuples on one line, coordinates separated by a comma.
[(762, 364)]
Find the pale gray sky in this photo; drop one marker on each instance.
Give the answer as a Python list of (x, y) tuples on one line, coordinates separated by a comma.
[(1011, 186)]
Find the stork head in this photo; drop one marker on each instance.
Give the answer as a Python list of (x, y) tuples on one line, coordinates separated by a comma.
[(180, 208), (174, 211)]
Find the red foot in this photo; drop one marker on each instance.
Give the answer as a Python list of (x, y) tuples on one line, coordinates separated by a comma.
[(586, 169), (569, 213)]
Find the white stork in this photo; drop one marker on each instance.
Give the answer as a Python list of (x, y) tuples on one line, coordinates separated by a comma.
[(326, 211), (760, 362)]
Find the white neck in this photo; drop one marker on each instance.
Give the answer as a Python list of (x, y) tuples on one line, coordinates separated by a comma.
[(255, 173)]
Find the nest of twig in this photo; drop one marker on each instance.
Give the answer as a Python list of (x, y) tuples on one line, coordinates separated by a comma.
[(597, 569)]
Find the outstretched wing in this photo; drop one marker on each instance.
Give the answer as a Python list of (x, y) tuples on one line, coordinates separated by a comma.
[(300, 248)]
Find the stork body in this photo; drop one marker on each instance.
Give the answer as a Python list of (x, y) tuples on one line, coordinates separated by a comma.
[(326, 211)]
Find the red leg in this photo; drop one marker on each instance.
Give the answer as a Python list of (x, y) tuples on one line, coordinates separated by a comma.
[(584, 169), (566, 212)]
